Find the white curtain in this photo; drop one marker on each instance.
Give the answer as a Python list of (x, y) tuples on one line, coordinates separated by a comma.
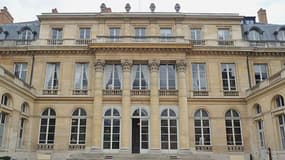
[(85, 75), (145, 72), (107, 75), (119, 69), (57, 75), (78, 77), (134, 70), (49, 74)]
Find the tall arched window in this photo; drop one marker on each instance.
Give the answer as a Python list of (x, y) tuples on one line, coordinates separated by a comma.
[(168, 129), (111, 137), (279, 101), (202, 128), (281, 123), (233, 128), (5, 100), (254, 35), (140, 131), (78, 127), (47, 128), (2, 127)]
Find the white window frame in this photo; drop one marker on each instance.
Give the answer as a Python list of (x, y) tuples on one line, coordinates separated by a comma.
[(21, 132), (58, 33), (232, 127), (260, 133), (281, 35), (146, 77), (281, 130), (196, 34), (119, 70), (56, 68), (254, 35), (26, 35), (83, 67), (279, 101), (259, 72), (140, 32), (3, 125), (21, 71), (228, 76), (167, 77), (5, 100), (48, 117), (86, 33), (199, 73), (78, 117), (201, 118)]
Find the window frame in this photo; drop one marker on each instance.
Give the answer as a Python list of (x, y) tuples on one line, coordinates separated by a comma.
[(281, 127), (259, 66), (20, 141), (86, 33), (202, 118), (232, 118), (199, 76), (167, 87), (228, 79), (222, 34), (81, 116), (48, 117), (194, 32), (3, 123), (260, 133), (84, 66), (57, 33), (146, 77), (120, 77), (56, 68), (23, 69)]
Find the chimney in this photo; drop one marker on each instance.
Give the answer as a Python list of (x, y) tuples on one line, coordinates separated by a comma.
[(5, 16), (54, 10), (262, 17)]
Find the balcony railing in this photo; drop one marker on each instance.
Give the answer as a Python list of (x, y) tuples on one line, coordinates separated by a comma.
[(54, 42), (267, 44), (231, 93), (76, 147), (112, 92), (50, 91), (83, 41), (197, 42), (200, 93), (140, 92), (168, 92), (238, 148), (206, 148), (23, 42), (45, 146), (145, 39), (226, 42), (80, 92)]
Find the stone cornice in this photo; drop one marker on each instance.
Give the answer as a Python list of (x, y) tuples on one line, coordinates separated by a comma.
[(26, 52)]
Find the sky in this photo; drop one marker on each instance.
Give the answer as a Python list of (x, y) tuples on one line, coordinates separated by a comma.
[(26, 10)]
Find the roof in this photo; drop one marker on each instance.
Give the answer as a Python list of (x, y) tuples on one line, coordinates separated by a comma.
[(12, 29)]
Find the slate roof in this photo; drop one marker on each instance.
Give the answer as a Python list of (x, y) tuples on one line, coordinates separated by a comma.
[(12, 29), (268, 31)]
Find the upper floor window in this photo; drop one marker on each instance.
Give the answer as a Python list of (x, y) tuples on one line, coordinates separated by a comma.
[(140, 76), (228, 77), (84, 33), (279, 101), (233, 128), (57, 33), (81, 76), (254, 35), (224, 34), (260, 72), (199, 76), (140, 32), (20, 70), (281, 35), (52, 76), (196, 34), (26, 34), (114, 33), (112, 76), (165, 34), (167, 76)]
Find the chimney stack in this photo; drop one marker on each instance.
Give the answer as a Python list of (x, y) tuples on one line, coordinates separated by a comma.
[(262, 17), (54, 10), (5, 16)]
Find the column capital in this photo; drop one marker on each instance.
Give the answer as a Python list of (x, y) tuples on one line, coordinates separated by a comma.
[(181, 65), (154, 65), (99, 65), (126, 65)]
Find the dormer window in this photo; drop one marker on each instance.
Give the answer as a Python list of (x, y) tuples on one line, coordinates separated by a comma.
[(26, 34), (281, 35), (254, 35)]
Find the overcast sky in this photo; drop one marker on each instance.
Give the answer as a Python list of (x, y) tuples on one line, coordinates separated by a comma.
[(26, 10)]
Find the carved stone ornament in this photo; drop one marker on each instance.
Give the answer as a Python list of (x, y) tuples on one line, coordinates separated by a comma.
[(128, 7), (126, 65), (181, 66), (152, 7), (154, 65), (99, 65), (177, 7)]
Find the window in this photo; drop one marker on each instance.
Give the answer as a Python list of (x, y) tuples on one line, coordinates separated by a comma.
[(260, 72), (57, 33), (257, 108), (168, 130), (196, 34), (224, 34), (228, 77), (140, 76), (279, 101), (281, 119), (199, 76), (260, 132), (254, 35), (5, 100), (113, 76), (2, 127), (52, 76), (84, 33), (47, 127), (111, 136), (26, 34), (202, 128), (20, 70), (21, 132), (139, 33), (24, 107), (81, 76), (142, 115), (233, 128), (281, 35), (167, 76), (165, 34), (78, 127), (114, 34)]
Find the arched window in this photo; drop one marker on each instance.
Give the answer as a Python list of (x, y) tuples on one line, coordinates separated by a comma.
[(168, 129), (2, 127), (202, 128), (111, 137), (279, 101), (6, 99), (233, 128), (78, 127), (281, 35), (25, 34), (254, 35), (24, 107), (47, 128), (140, 125), (281, 123)]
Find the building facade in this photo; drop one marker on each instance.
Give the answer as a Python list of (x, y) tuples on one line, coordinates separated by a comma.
[(158, 85)]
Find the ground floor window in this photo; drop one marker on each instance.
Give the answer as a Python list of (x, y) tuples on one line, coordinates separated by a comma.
[(260, 131), (111, 136), (2, 127), (21, 132), (282, 129)]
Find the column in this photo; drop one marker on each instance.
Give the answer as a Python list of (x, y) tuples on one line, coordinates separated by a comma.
[(183, 106), (154, 107), (126, 105), (97, 109)]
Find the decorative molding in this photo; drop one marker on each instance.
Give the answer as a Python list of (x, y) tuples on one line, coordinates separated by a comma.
[(99, 65), (154, 65), (126, 65), (181, 65)]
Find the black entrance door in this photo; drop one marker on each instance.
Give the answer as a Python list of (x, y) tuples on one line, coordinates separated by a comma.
[(136, 135)]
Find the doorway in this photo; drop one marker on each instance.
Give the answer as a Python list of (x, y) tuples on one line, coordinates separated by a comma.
[(135, 135)]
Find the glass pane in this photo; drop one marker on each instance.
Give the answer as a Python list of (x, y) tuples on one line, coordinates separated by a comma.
[(107, 137), (144, 145), (173, 145), (164, 145), (115, 145), (106, 145), (173, 123)]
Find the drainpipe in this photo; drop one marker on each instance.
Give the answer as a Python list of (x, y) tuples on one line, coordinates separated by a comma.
[(248, 71), (32, 70)]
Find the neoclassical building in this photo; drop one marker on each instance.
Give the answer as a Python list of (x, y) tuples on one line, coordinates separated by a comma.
[(151, 85)]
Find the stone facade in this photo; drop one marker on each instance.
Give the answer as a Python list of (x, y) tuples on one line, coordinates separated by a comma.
[(169, 63)]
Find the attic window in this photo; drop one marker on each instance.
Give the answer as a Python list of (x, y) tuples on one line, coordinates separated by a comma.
[(281, 35), (254, 35)]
